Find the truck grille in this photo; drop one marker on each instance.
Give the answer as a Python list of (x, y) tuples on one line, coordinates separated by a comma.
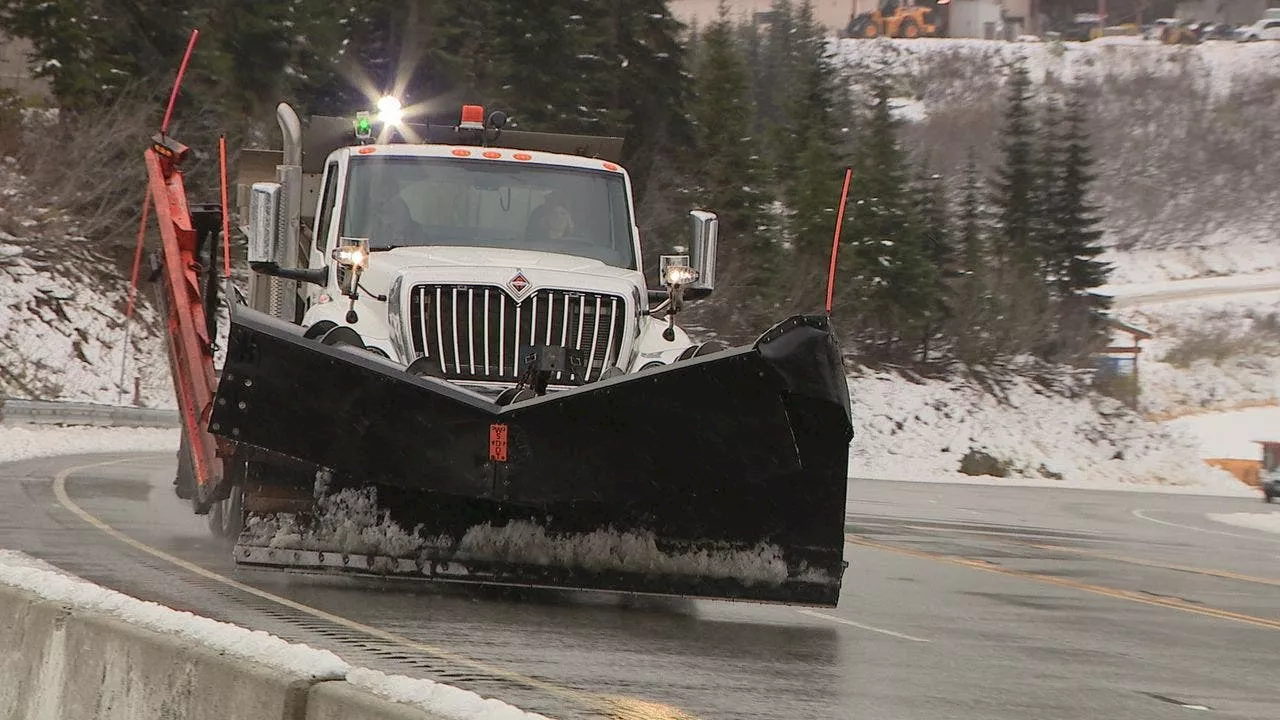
[(476, 332)]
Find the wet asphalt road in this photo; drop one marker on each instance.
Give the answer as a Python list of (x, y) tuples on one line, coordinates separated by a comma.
[(960, 602)]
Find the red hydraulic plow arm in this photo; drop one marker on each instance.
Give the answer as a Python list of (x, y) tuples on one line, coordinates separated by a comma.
[(189, 334), (191, 358)]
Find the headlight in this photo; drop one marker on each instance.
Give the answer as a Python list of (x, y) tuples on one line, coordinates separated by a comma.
[(353, 253), (680, 275)]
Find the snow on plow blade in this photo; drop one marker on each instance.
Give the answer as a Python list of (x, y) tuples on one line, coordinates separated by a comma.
[(721, 476)]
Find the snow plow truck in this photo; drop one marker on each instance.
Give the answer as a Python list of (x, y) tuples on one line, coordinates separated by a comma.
[(448, 364)]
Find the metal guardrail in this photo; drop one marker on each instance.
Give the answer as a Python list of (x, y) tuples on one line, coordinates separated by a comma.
[(42, 412)]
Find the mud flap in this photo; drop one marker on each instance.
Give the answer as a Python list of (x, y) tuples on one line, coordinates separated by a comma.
[(727, 457)]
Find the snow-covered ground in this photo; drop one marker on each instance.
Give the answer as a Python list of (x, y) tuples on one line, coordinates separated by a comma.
[(922, 430), (22, 571), (1216, 344), (1232, 434)]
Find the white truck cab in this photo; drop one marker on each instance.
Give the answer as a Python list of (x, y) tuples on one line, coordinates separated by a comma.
[(456, 260)]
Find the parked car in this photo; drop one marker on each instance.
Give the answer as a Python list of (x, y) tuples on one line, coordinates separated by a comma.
[(1155, 29), (1265, 29)]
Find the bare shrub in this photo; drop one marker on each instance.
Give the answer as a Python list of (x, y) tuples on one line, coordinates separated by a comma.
[(89, 166), (10, 123), (1215, 346)]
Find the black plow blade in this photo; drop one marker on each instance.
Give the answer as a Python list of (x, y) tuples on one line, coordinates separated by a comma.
[(721, 476)]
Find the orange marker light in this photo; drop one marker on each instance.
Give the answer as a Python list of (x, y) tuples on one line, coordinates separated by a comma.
[(462, 153), (492, 154), (522, 156), (611, 166), (367, 150), (473, 116)]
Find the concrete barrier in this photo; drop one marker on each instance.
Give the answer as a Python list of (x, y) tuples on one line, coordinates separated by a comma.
[(59, 664), (30, 629), (63, 661), (114, 671)]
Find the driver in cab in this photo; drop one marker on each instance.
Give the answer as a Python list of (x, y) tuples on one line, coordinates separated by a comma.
[(552, 221)]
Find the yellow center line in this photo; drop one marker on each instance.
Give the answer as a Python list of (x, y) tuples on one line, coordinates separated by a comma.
[(1020, 539), (1129, 595), (1225, 574), (620, 707)]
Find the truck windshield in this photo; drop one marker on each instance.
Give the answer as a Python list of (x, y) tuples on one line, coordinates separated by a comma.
[(432, 201)]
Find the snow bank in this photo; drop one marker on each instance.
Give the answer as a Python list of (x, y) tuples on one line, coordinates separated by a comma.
[(1222, 254), (1151, 291), (920, 431), (22, 443), (437, 697), (1232, 434), (1266, 522), (23, 571)]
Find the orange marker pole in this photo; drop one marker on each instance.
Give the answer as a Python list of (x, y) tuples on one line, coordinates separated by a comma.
[(137, 255), (177, 83), (226, 215), (835, 242)]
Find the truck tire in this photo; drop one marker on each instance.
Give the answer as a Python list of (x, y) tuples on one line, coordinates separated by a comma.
[(909, 29), (226, 517)]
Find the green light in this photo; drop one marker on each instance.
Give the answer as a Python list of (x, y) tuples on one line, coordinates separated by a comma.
[(364, 125)]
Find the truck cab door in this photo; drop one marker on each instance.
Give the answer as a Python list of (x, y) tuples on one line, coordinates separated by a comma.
[(327, 219)]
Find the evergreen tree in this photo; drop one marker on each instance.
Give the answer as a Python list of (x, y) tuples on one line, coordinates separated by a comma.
[(643, 50), (1077, 238), (729, 177), (1075, 223), (1014, 187), (1017, 203), (1042, 196), (777, 64), (806, 158), (891, 278), (90, 50), (932, 212), (973, 312)]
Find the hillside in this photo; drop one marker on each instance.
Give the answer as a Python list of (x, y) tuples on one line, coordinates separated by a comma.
[(1189, 169), (62, 307)]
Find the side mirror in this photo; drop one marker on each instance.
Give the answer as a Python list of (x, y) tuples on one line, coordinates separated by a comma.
[(266, 231), (705, 231), (266, 234)]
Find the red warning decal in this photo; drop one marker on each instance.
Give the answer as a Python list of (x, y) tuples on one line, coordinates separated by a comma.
[(498, 443)]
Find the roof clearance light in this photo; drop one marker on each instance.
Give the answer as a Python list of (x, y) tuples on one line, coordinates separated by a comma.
[(390, 111), (472, 117)]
